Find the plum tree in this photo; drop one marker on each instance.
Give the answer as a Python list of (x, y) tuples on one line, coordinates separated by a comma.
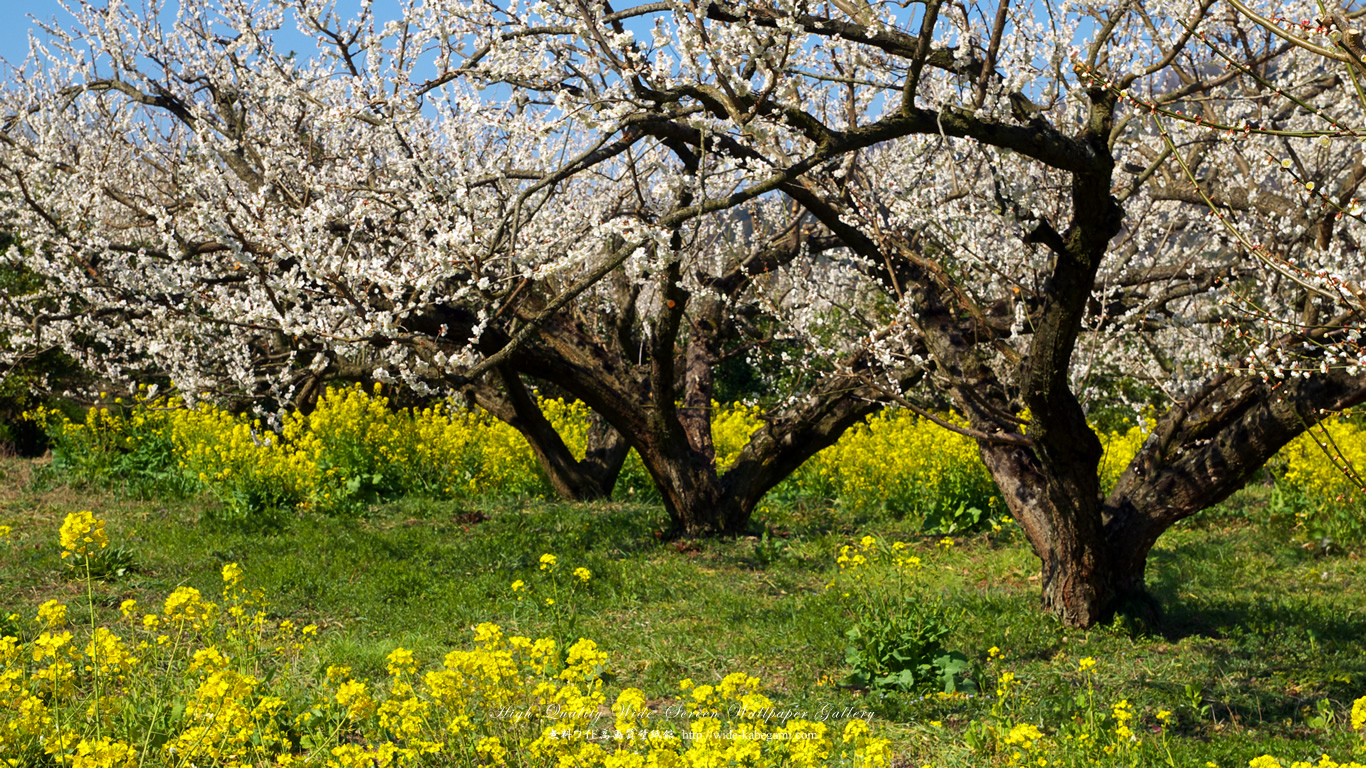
[(989, 207)]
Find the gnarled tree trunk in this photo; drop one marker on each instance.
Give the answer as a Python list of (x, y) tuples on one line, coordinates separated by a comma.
[(587, 479), (1095, 550)]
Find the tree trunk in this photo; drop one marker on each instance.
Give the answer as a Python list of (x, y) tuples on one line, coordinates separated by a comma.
[(1095, 552), (588, 479), (675, 446), (605, 455), (1064, 529), (698, 502), (1088, 569)]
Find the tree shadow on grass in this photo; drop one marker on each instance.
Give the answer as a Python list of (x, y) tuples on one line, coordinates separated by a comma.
[(1277, 651)]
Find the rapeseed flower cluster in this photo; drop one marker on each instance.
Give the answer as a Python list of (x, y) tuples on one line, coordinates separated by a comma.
[(353, 448), (1119, 449), (356, 448), (81, 535), (69, 695), (903, 463), (900, 462), (210, 682), (1268, 761), (1323, 478)]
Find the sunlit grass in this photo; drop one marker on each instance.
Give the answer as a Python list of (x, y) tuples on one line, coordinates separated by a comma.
[(1257, 651)]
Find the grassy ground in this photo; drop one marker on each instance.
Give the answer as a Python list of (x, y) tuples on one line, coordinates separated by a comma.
[(1259, 648)]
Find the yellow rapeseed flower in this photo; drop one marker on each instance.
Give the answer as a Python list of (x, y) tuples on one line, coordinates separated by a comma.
[(547, 562), (1123, 715), (208, 659), (401, 661), (1024, 736), (81, 534), (52, 614), (854, 729), (232, 575), (583, 574), (104, 753), (188, 605), (352, 695), (1004, 683), (491, 750)]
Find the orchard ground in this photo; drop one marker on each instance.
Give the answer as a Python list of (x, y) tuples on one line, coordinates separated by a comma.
[(1259, 650)]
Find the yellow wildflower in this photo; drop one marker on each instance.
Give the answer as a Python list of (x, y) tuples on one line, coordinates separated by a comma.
[(208, 659), (187, 605), (351, 694), (491, 750), (103, 753), (232, 575), (401, 661), (1024, 736), (81, 534), (856, 728), (52, 614), (1004, 683)]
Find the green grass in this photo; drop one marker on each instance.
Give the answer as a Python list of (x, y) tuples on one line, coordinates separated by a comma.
[(1256, 630)]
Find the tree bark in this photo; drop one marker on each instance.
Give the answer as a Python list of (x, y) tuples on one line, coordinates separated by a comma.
[(678, 455), (587, 479), (1095, 551), (1208, 447), (1063, 530)]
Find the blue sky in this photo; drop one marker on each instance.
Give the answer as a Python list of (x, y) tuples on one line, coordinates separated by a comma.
[(17, 19), (15, 24), (18, 16)]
